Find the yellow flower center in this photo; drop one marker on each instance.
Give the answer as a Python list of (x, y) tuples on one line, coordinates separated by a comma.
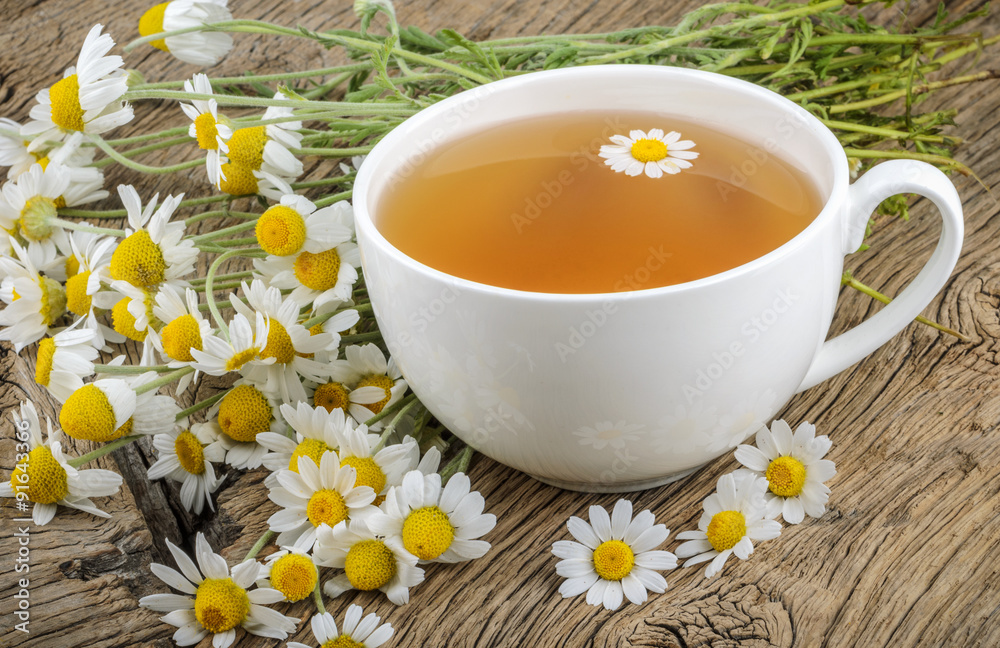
[(151, 23), (649, 150), (72, 266), (318, 271), (786, 476), (294, 575), (124, 323), (312, 448), (726, 529), (41, 159), (240, 181), (330, 396), (36, 218), (343, 641), (244, 413), (53, 300), (180, 336), (281, 231), (220, 604), (77, 300), (66, 110), (87, 414), (190, 453), (279, 344), (43, 366), (240, 358), (139, 261), (369, 473), (326, 507), (124, 430), (370, 565), (427, 532), (246, 147), (45, 481), (613, 560), (378, 380), (206, 131)]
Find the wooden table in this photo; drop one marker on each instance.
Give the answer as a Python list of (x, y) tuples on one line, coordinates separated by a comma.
[(907, 554)]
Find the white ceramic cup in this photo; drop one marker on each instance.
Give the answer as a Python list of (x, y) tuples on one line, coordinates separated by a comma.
[(629, 390)]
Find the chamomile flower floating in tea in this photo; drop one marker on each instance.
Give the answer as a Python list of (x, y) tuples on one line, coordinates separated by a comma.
[(316, 497), (436, 524), (87, 99), (794, 467), (355, 633), (291, 571), (735, 517), (64, 360), (242, 414), (216, 600), (369, 562), (45, 477), (206, 128), (34, 302), (654, 153), (186, 456), (613, 556), (154, 250), (203, 48)]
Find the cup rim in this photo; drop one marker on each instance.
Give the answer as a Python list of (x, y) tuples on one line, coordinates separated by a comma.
[(370, 234)]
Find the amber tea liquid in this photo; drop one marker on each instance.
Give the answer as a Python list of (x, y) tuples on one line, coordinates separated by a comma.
[(529, 205)]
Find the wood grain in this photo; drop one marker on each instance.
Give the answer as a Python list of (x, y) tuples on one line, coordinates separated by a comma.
[(906, 556)]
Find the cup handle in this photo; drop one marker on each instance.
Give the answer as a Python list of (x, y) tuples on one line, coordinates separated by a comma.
[(887, 179)]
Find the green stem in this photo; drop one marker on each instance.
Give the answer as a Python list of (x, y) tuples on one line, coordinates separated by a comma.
[(145, 168), (127, 370), (888, 132), (337, 108), (909, 155), (103, 450), (318, 598), (260, 544), (85, 213), (389, 410), (889, 97), (208, 402), (261, 78), (329, 200), (84, 227), (227, 277), (153, 385), (143, 149), (460, 464), (220, 213), (208, 236), (334, 152), (848, 280), (393, 423), (210, 278), (319, 319), (373, 336)]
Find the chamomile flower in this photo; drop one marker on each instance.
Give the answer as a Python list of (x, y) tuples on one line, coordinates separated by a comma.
[(34, 301), (154, 413), (45, 478), (317, 432), (291, 571), (338, 324), (259, 159), (206, 128), (295, 225), (133, 317), (217, 602), (613, 556), (369, 562), (356, 632), (794, 467), (282, 365), (186, 456), (87, 99), (376, 382), (64, 360), (184, 329), (30, 202), (14, 149), (99, 411), (321, 278), (246, 341), (203, 48), (379, 470), (654, 153), (243, 414), (735, 516), (87, 272), (314, 498), (155, 250), (436, 524)]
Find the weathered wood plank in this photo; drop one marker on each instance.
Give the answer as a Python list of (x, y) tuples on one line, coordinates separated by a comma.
[(906, 555)]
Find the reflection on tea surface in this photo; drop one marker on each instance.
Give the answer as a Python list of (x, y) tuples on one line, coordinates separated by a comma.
[(531, 205)]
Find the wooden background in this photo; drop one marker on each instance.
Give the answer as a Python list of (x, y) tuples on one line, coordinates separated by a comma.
[(907, 555)]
